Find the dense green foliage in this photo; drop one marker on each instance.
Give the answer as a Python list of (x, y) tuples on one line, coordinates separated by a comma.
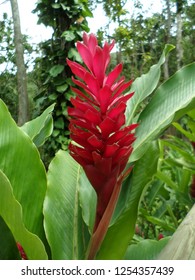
[(141, 36), (51, 70)]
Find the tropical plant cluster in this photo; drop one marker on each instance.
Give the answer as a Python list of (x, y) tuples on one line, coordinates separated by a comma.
[(105, 168)]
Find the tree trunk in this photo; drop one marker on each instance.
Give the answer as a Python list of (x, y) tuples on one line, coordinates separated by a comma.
[(119, 52), (167, 38), (179, 47), (23, 111)]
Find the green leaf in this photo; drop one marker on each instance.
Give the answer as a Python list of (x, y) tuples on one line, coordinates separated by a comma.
[(181, 152), (160, 222), (121, 231), (88, 201), (166, 179), (11, 212), (145, 85), (146, 249), (189, 135), (153, 192), (20, 161), (62, 88), (8, 248), (40, 128), (185, 181), (73, 54), (56, 70), (53, 96), (59, 123), (171, 97), (65, 230), (86, 12), (181, 162), (56, 6)]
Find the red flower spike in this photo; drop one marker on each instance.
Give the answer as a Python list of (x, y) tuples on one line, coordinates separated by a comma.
[(102, 144), (113, 75), (76, 68)]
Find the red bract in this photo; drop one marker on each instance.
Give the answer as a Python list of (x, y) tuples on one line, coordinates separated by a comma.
[(21, 250), (101, 142), (160, 236)]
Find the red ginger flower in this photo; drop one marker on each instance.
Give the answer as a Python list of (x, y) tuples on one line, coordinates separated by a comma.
[(21, 251), (102, 145)]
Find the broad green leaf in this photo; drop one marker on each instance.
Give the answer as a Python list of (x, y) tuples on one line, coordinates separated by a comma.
[(172, 96), (88, 200), (11, 212), (8, 248), (40, 129), (65, 230), (20, 161), (146, 249), (145, 85), (121, 231)]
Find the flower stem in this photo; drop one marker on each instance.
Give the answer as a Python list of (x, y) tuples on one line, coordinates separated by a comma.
[(99, 234), (102, 228)]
